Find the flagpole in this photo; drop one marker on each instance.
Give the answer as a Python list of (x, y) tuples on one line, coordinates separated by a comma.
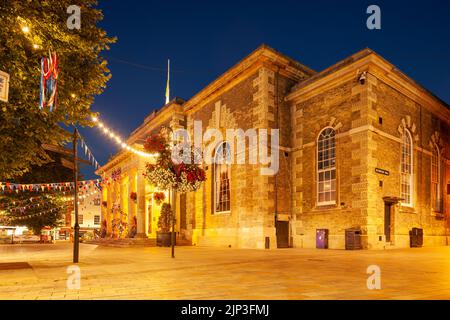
[(168, 82)]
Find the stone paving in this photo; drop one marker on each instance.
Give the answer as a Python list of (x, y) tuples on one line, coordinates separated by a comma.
[(221, 273)]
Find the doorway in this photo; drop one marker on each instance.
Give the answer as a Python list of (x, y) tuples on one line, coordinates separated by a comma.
[(282, 229), (387, 220)]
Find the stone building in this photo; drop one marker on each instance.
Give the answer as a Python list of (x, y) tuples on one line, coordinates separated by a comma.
[(361, 146)]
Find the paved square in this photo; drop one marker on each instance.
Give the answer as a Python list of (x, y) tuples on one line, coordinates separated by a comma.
[(215, 273)]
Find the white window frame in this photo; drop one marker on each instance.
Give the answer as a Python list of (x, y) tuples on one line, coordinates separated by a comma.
[(407, 133), (214, 168), (329, 169), (436, 157)]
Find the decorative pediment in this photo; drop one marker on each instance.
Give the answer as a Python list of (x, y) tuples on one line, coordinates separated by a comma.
[(436, 140), (407, 124), (222, 117), (336, 125)]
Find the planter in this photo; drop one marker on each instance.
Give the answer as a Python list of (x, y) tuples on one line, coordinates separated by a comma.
[(163, 239)]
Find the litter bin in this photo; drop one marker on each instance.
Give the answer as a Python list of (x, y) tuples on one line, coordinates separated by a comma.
[(416, 238), (322, 238), (353, 239)]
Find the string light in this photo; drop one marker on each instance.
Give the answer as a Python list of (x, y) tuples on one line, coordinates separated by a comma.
[(25, 29), (109, 133)]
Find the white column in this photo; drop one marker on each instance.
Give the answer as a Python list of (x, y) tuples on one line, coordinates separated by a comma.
[(140, 205), (131, 204)]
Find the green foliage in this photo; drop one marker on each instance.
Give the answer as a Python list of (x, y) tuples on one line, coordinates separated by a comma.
[(165, 218), (82, 72), (50, 172)]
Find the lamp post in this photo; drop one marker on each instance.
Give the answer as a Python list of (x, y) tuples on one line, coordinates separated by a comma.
[(173, 200), (76, 240)]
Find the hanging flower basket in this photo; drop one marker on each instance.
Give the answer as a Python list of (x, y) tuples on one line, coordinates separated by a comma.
[(156, 144), (166, 174), (159, 197), (133, 196), (104, 204)]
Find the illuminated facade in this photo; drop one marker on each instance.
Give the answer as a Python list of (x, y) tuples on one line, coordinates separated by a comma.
[(362, 146)]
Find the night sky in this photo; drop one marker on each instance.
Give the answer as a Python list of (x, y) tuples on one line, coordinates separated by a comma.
[(204, 38)]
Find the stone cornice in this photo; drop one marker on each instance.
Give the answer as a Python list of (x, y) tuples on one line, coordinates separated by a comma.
[(263, 56), (367, 60), (114, 161), (155, 121)]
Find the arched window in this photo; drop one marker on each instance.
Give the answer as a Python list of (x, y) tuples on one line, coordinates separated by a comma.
[(222, 174), (326, 167), (436, 196), (407, 169)]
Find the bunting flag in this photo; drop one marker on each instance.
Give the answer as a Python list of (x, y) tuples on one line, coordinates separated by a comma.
[(49, 82), (88, 153), (37, 187), (27, 216)]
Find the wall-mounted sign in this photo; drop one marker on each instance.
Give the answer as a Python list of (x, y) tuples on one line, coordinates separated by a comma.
[(382, 171), (4, 86)]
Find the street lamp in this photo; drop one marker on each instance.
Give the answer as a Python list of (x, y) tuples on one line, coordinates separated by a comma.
[(76, 240), (173, 200)]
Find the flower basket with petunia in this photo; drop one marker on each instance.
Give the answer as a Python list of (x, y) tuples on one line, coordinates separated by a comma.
[(165, 174), (159, 197), (104, 204), (156, 144)]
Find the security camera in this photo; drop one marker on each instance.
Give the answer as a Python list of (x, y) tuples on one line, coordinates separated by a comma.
[(362, 78)]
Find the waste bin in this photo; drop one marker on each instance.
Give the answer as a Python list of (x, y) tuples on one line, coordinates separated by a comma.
[(353, 239), (416, 238), (322, 238)]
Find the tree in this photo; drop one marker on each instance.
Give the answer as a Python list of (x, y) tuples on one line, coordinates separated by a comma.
[(28, 30), (43, 210), (36, 210), (53, 171)]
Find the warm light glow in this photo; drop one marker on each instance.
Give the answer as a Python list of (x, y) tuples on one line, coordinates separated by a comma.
[(35, 46), (112, 135), (25, 29), (73, 95)]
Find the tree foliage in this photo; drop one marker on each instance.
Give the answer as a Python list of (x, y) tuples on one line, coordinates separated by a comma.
[(44, 210), (83, 74)]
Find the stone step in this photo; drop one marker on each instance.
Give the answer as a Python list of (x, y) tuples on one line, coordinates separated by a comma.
[(126, 242), (130, 242)]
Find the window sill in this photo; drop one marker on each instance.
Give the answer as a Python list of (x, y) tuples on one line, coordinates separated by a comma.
[(438, 215), (407, 209), (325, 207), (222, 213)]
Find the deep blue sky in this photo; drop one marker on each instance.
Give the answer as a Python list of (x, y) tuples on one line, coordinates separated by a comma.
[(204, 38)]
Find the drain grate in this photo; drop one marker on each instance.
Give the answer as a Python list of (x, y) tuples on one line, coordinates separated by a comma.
[(14, 266)]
